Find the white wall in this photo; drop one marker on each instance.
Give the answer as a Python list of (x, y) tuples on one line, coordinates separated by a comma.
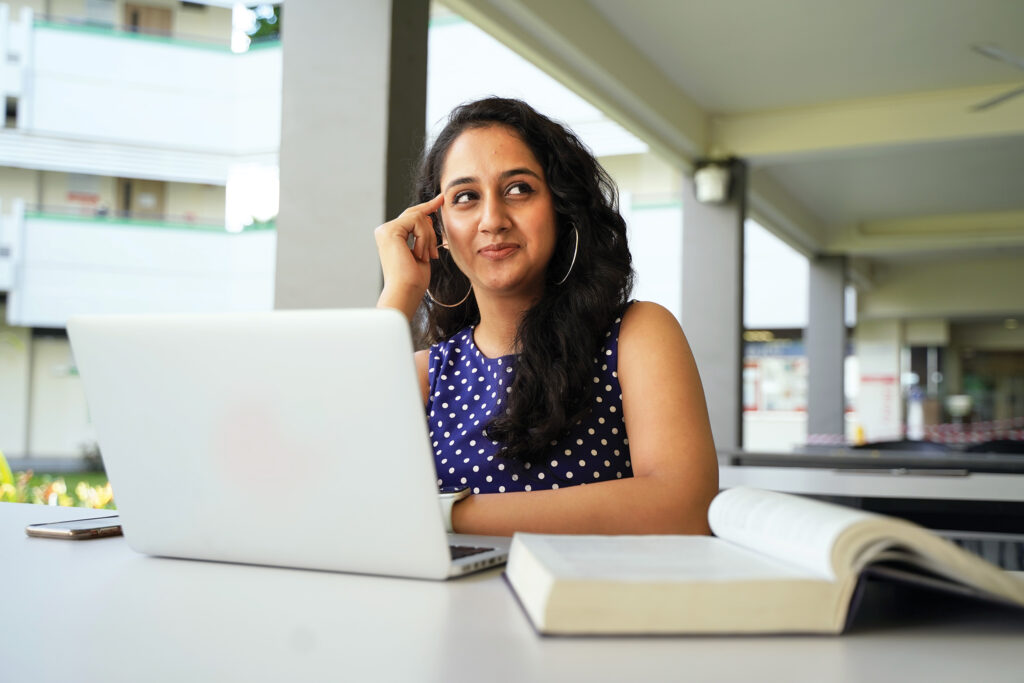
[(68, 191), (774, 431), (37, 6), (926, 332), (105, 102), (775, 281), (14, 377), (201, 202), (154, 92), (85, 266), (782, 431), (64, 8), (208, 22), (15, 49), (656, 243), (17, 183), (879, 401), (60, 419), (650, 179), (11, 223)]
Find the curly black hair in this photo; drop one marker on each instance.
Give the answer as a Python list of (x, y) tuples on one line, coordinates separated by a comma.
[(559, 336)]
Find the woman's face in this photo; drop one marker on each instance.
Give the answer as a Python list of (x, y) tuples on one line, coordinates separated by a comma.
[(498, 213)]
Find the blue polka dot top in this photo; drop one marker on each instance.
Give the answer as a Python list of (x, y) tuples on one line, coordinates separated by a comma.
[(467, 389)]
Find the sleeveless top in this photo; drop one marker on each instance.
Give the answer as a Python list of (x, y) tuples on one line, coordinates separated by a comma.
[(468, 389)]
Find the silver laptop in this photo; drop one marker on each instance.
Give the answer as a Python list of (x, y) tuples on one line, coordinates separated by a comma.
[(287, 438)]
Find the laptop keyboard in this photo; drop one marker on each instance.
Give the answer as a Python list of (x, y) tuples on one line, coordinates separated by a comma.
[(460, 551), (1002, 550)]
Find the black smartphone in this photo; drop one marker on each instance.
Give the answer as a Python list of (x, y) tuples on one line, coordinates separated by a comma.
[(77, 529)]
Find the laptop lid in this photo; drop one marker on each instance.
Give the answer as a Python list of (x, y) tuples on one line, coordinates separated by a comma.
[(288, 438)]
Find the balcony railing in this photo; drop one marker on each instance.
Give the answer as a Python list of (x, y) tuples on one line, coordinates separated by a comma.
[(83, 25), (61, 261), (78, 80), (139, 219)]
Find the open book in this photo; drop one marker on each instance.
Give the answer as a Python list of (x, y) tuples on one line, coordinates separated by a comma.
[(780, 563)]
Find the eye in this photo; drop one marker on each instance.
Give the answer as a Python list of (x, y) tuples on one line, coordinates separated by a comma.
[(519, 188), (463, 197)]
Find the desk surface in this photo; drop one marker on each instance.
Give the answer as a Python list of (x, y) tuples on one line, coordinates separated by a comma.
[(823, 457), (97, 611), (878, 483)]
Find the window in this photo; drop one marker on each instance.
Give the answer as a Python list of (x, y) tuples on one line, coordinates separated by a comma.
[(11, 112)]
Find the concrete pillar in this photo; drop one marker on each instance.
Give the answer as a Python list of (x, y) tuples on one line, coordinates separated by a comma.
[(879, 402), (352, 126), (825, 342), (713, 302)]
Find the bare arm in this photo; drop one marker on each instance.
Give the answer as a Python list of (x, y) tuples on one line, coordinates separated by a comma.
[(407, 271), (675, 467), (422, 359)]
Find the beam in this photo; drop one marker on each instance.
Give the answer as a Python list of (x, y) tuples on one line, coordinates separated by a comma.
[(931, 233), (774, 208), (578, 47), (951, 288), (860, 274), (780, 135), (561, 38)]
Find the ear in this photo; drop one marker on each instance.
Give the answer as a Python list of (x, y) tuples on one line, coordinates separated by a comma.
[(444, 233), (438, 223)]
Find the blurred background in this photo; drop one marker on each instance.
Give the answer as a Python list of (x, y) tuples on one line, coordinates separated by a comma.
[(139, 172)]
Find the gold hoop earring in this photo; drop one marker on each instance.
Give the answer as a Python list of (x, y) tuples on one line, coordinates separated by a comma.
[(460, 302), (575, 250)]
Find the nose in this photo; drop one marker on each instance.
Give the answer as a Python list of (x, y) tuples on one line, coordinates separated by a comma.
[(493, 217)]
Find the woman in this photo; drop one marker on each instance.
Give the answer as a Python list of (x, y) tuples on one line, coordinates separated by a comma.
[(542, 375)]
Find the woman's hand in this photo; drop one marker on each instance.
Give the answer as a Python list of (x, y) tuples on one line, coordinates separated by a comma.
[(407, 271)]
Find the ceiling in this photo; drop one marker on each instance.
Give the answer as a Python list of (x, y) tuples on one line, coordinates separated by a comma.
[(853, 116), (751, 55)]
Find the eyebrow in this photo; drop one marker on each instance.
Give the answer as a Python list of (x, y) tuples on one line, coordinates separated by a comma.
[(505, 174)]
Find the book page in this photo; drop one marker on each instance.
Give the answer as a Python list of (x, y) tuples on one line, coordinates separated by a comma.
[(789, 528), (654, 559)]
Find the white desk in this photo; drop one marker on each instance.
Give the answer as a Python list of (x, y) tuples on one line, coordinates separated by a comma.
[(96, 611), (820, 481)]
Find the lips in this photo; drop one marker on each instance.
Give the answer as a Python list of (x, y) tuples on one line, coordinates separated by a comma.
[(497, 252)]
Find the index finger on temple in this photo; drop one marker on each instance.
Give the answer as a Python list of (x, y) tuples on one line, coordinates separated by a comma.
[(432, 205)]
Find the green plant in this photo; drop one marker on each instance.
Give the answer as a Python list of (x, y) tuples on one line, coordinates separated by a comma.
[(5, 471), (85, 490)]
